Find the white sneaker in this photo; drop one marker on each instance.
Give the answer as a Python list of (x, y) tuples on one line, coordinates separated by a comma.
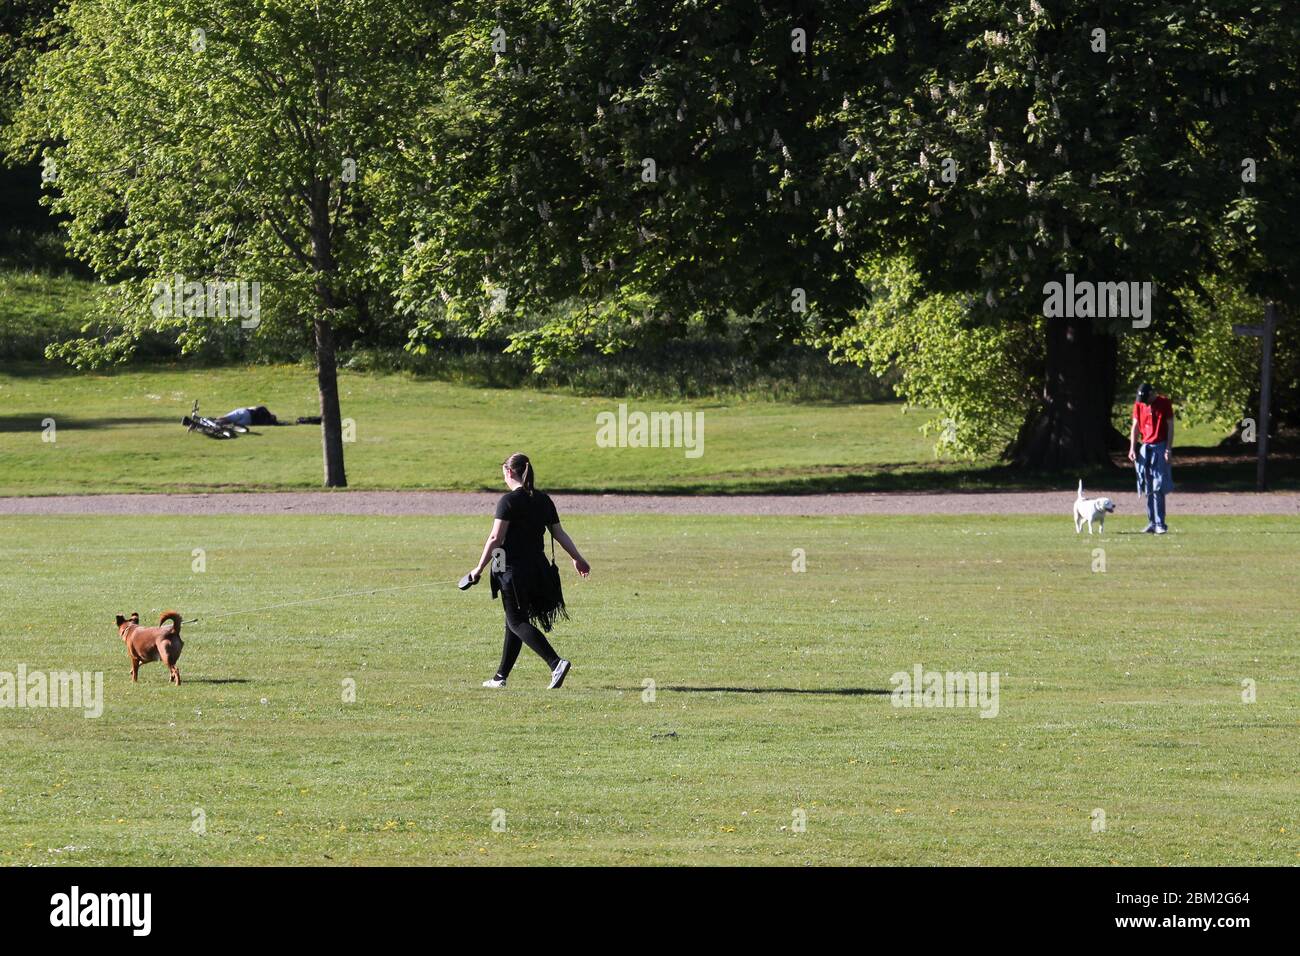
[(1161, 529), (494, 683), (561, 671)]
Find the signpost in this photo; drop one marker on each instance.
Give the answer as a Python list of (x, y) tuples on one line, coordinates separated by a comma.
[(1265, 334)]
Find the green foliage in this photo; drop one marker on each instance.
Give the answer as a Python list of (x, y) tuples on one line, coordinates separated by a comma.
[(713, 367), (1106, 163), (1211, 373), (24, 31), (780, 169), (586, 178), (207, 139), (973, 374), (1016, 149), (663, 159)]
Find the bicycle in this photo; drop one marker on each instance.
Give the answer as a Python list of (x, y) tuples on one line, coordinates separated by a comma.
[(212, 427)]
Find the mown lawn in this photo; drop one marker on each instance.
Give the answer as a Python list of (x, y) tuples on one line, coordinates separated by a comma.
[(121, 432), (1119, 691)]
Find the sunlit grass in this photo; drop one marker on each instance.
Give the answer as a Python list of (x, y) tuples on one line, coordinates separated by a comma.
[(1119, 691)]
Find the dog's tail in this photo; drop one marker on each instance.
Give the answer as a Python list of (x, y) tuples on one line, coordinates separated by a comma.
[(174, 617), (1080, 489)]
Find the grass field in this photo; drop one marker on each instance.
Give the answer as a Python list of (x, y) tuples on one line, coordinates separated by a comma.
[(1120, 691), (120, 432)]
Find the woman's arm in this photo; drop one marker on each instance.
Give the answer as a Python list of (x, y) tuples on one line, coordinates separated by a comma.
[(579, 562), (494, 541)]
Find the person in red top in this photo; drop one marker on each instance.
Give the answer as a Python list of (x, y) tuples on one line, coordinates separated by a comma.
[(1153, 423)]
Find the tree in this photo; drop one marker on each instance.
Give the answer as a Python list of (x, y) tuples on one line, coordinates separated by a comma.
[(1260, 245), (667, 161), (195, 143), (1096, 141), (23, 33), (682, 160), (22, 24)]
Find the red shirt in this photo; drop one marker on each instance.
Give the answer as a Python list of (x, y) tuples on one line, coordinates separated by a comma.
[(1153, 420)]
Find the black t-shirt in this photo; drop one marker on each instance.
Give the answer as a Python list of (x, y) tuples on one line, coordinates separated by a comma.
[(529, 517)]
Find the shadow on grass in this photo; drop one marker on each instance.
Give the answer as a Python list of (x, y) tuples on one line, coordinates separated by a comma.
[(826, 691), (1195, 469), (31, 422), (33, 368), (216, 680)]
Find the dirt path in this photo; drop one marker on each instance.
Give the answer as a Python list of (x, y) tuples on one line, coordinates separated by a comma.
[(472, 503)]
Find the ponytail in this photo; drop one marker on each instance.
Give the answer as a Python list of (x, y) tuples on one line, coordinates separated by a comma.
[(522, 469)]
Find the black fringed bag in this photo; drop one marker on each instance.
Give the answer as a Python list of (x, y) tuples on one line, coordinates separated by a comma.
[(537, 591), (554, 604)]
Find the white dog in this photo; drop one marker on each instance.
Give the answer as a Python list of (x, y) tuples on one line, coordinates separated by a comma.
[(1091, 509)]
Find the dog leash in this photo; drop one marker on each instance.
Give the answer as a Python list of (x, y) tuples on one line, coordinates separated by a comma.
[(328, 597)]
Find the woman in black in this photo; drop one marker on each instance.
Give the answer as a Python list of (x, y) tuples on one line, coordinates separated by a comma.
[(527, 582)]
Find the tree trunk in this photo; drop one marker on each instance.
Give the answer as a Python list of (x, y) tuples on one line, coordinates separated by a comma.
[(331, 422), (327, 379), (1073, 428)]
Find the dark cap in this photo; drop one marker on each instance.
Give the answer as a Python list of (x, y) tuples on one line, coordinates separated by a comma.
[(1144, 392)]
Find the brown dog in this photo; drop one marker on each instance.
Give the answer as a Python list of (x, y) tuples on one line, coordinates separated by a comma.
[(146, 644)]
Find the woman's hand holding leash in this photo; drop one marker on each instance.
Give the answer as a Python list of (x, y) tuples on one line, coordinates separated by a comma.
[(495, 540)]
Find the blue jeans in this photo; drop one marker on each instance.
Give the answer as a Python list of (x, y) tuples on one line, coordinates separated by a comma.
[(1156, 508), (1156, 479)]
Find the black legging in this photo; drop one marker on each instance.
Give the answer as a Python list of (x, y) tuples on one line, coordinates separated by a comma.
[(520, 629)]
